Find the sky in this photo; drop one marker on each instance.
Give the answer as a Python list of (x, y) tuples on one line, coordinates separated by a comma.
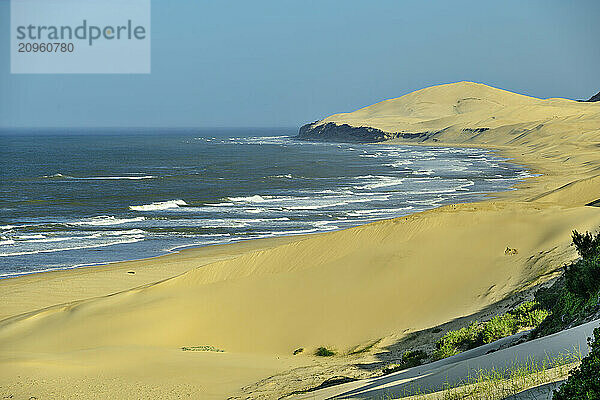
[(278, 63)]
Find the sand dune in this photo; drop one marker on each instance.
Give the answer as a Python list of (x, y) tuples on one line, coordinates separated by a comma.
[(467, 105), (340, 289)]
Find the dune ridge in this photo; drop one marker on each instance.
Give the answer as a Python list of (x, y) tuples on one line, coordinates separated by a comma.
[(464, 106), (343, 289)]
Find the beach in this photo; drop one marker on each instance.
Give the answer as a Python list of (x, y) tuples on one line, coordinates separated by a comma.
[(103, 332)]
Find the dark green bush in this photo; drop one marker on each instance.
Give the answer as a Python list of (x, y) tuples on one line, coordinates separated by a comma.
[(583, 277), (324, 352), (409, 359), (587, 245), (584, 381), (413, 358), (576, 295)]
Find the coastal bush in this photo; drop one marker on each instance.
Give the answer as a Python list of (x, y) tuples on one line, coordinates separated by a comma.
[(587, 245), (575, 296), (453, 342), (324, 352), (526, 315), (409, 359), (584, 381), (497, 328)]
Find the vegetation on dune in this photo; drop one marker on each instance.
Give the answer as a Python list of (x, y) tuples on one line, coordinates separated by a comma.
[(409, 359), (575, 296), (526, 315), (202, 348), (298, 351), (584, 380), (324, 352)]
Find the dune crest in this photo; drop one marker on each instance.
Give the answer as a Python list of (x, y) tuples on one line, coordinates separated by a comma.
[(459, 106)]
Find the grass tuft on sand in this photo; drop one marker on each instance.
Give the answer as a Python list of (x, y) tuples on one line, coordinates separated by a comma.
[(202, 348)]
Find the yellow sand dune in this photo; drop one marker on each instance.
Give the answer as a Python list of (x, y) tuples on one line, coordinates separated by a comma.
[(338, 289), (467, 105)]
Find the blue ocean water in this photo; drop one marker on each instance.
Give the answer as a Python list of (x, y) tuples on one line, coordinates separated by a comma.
[(85, 198)]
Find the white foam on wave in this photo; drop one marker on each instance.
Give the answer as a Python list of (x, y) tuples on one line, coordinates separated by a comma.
[(254, 210), (102, 178), (380, 182), (49, 240), (399, 163), (7, 227), (25, 237), (265, 219), (331, 201), (5, 241), (250, 199), (378, 211), (235, 223), (219, 204), (221, 223), (108, 178), (423, 172), (160, 205), (501, 179), (298, 232), (106, 220), (91, 246), (126, 232)]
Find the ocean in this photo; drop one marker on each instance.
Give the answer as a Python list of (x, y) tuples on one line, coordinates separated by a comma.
[(77, 198)]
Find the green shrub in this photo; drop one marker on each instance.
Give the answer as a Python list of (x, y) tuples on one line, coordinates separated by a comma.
[(409, 359), (587, 245), (526, 315), (575, 295), (583, 277), (453, 342), (498, 327), (413, 358), (584, 381), (324, 352)]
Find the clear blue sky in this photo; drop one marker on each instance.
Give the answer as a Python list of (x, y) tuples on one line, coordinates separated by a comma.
[(284, 63)]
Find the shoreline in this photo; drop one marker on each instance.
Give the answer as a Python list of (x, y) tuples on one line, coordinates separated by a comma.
[(177, 250)]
